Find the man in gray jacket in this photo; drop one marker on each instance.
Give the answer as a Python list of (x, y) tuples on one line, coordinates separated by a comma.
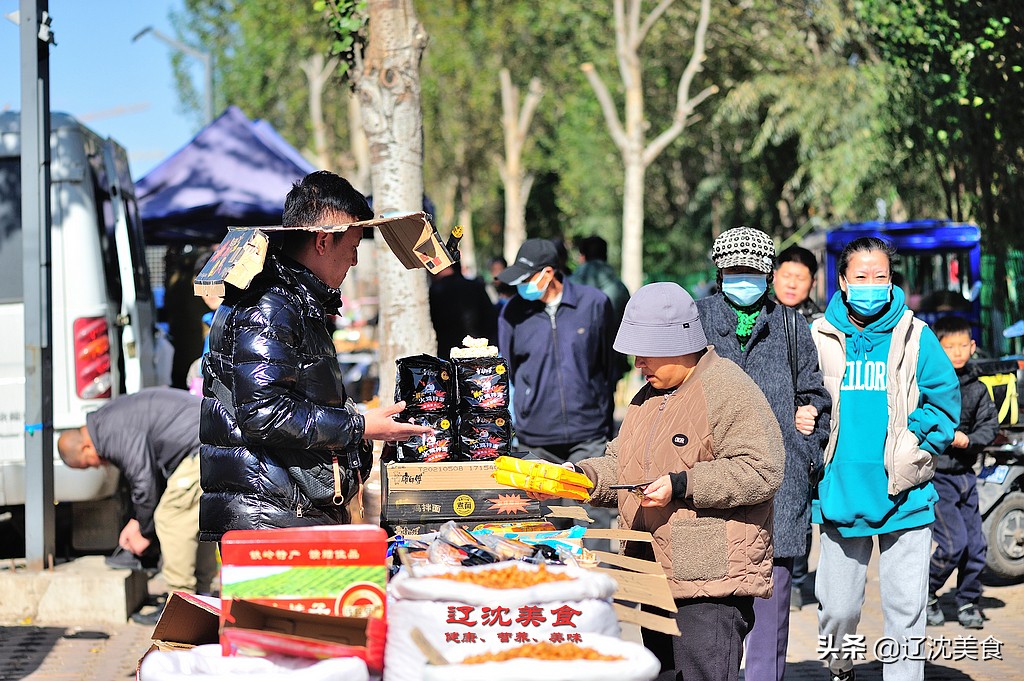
[(152, 436)]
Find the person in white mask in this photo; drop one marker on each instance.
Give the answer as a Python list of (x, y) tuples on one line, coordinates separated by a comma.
[(772, 344)]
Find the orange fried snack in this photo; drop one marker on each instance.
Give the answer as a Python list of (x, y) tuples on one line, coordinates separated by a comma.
[(543, 651), (510, 577)]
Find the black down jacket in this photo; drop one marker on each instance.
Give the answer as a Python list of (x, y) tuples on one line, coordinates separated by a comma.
[(272, 356)]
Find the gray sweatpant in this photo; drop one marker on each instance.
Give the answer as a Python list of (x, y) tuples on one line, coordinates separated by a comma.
[(903, 581)]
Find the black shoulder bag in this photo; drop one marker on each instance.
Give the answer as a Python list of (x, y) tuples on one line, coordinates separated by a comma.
[(323, 481)]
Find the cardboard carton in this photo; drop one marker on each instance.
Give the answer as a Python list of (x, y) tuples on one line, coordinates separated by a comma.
[(256, 629), (336, 569), (187, 621), (421, 496), (411, 237)]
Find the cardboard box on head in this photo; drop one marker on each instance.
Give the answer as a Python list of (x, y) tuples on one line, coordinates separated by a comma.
[(412, 237)]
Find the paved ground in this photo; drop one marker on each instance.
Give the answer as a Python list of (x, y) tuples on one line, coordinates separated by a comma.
[(112, 653)]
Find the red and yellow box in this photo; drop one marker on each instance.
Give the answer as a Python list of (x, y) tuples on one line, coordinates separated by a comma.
[(326, 570)]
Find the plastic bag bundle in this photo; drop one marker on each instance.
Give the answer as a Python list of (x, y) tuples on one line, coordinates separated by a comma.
[(425, 384), (430, 447), (484, 436), (538, 476), (482, 383), (485, 425)]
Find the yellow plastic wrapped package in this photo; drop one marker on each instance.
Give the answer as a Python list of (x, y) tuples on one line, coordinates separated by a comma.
[(541, 469), (533, 483)]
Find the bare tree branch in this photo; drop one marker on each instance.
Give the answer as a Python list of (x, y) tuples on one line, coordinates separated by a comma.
[(524, 191), (624, 52), (679, 123), (685, 105), (533, 97), (509, 103), (611, 115), (641, 34)]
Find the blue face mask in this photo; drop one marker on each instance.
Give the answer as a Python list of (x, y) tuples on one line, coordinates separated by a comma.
[(867, 300), (744, 289), (530, 291)]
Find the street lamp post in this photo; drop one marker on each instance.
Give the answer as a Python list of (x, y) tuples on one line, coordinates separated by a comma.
[(205, 57)]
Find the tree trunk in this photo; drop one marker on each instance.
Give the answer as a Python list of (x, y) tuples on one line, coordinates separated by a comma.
[(467, 247), (388, 85), (515, 122), (360, 146), (629, 137), (318, 71), (633, 225)]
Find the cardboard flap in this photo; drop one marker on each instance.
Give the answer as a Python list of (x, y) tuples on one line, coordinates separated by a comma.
[(647, 620), (651, 567), (240, 256), (623, 535), (237, 261), (641, 588), (416, 243), (188, 620), (350, 631), (571, 512)]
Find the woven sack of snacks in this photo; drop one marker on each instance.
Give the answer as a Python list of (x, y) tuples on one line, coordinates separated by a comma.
[(442, 600), (594, 658)]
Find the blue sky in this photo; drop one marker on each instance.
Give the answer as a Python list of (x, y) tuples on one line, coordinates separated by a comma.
[(118, 88)]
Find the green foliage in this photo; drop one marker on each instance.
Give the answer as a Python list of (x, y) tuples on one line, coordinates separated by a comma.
[(960, 89), (346, 20), (258, 48), (825, 106)]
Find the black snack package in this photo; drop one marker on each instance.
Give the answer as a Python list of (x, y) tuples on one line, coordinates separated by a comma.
[(482, 383), (424, 383), (485, 436), (430, 447)]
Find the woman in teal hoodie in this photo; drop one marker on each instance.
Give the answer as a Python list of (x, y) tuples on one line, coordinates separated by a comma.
[(895, 406)]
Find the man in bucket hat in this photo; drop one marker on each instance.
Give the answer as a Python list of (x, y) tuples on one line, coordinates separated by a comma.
[(704, 454), (282, 446)]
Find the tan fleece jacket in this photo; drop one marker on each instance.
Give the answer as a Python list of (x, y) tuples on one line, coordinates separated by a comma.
[(719, 428)]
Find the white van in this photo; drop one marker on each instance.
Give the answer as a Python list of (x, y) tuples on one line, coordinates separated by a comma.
[(103, 341)]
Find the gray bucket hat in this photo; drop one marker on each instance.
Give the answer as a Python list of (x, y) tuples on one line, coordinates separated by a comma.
[(660, 320)]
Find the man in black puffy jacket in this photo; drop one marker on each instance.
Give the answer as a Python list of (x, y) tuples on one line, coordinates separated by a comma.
[(281, 444)]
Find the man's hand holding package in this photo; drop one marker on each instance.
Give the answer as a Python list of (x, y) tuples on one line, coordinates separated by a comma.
[(380, 424)]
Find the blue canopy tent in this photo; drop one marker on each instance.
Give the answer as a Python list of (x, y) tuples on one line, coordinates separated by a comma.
[(234, 172)]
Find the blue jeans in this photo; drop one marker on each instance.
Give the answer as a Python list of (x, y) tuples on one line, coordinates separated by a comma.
[(957, 531)]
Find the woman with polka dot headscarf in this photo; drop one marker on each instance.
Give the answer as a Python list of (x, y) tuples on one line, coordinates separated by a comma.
[(748, 327)]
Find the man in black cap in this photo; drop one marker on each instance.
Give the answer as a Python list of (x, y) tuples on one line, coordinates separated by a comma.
[(557, 337)]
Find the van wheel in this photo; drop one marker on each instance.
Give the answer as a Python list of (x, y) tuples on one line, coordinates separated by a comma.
[(1004, 534)]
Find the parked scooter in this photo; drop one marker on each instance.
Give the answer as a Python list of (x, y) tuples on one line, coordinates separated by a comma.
[(1001, 501), (1001, 482)]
